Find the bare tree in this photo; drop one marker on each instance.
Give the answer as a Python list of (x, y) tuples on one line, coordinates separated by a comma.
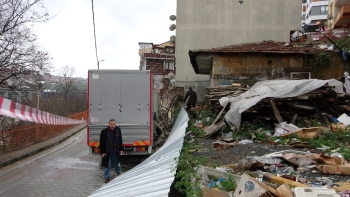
[(21, 58), (67, 83)]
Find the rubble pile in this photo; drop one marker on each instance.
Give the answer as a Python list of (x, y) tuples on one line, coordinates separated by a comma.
[(278, 174), (323, 104), (215, 93), (287, 173)]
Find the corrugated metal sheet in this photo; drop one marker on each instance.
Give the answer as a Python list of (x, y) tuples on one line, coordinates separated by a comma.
[(154, 176)]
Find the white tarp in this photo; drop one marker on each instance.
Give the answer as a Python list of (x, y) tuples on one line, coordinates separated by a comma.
[(273, 89)]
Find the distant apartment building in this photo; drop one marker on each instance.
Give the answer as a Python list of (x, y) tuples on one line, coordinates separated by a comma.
[(339, 13), (18, 95), (314, 12), (160, 60)]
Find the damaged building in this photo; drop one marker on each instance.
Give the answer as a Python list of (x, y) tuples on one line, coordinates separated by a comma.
[(252, 62)]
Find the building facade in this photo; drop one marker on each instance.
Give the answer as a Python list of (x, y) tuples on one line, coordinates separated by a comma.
[(252, 62), (338, 13), (204, 24), (314, 12), (18, 95), (160, 60)]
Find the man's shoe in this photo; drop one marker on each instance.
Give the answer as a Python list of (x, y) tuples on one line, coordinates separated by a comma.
[(106, 180), (118, 173)]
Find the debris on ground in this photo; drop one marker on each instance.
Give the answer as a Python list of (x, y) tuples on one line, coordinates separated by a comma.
[(281, 100), (283, 173), (215, 93), (250, 184), (310, 127)]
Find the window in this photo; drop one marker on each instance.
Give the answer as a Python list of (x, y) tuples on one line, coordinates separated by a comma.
[(324, 10), (169, 50), (169, 65)]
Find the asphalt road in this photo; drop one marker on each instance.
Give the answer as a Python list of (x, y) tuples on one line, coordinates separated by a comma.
[(68, 169)]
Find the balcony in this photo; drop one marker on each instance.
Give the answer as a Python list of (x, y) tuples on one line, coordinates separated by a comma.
[(343, 17), (159, 56)]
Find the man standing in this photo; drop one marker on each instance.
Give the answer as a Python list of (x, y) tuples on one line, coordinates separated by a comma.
[(192, 98), (111, 147)]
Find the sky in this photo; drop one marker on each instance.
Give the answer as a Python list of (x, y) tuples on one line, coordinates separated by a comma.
[(120, 26)]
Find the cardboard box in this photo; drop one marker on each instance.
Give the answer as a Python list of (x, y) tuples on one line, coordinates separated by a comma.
[(214, 193), (250, 187), (341, 167), (339, 160), (308, 133)]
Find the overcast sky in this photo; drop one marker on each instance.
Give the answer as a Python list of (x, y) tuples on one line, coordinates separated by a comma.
[(120, 26)]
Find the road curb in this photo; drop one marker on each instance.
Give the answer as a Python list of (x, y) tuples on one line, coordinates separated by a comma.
[(6, 163)]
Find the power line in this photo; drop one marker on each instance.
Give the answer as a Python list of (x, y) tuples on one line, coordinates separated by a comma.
[(93, 21)]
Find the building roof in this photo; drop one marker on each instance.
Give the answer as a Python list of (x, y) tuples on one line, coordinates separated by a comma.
[(164, 44), (262, 47), (203, 66)]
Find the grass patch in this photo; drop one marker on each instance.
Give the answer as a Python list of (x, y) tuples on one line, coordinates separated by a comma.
[(229, 184), (187, 180)]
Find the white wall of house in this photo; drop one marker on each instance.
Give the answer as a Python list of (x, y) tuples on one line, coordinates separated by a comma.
[(204, 24)]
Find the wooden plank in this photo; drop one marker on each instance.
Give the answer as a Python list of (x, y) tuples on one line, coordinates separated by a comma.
[(301, 106), (201, 108), (281, 180), (320, 115), (346, 107), (294, 119), (276, 112)]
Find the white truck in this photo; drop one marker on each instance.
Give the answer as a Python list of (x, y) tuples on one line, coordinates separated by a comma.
[(124, 95)]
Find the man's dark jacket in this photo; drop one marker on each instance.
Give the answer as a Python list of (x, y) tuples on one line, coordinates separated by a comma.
[(118, 145), (193, 97)]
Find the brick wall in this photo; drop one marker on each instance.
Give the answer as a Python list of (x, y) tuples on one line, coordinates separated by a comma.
[(156, 66)]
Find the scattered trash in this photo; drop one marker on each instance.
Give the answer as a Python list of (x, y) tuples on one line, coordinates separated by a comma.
[(305, 133), (224, 169), (227, 135), (199, 124), (285, 129), (304, 192), (224, 145), (345, 119), (299, 160), (245, 142), (278, 172)]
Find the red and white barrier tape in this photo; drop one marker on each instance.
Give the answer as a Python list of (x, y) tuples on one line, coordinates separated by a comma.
[(16, 110)]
